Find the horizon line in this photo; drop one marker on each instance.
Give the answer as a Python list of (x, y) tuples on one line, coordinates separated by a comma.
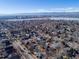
[(39, 12)]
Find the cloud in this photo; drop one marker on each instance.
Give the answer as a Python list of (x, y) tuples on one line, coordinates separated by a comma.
[(70, 9), (13, 11), (41, 10)]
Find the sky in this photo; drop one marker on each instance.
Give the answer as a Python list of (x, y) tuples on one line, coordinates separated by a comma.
[(33, 6)]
